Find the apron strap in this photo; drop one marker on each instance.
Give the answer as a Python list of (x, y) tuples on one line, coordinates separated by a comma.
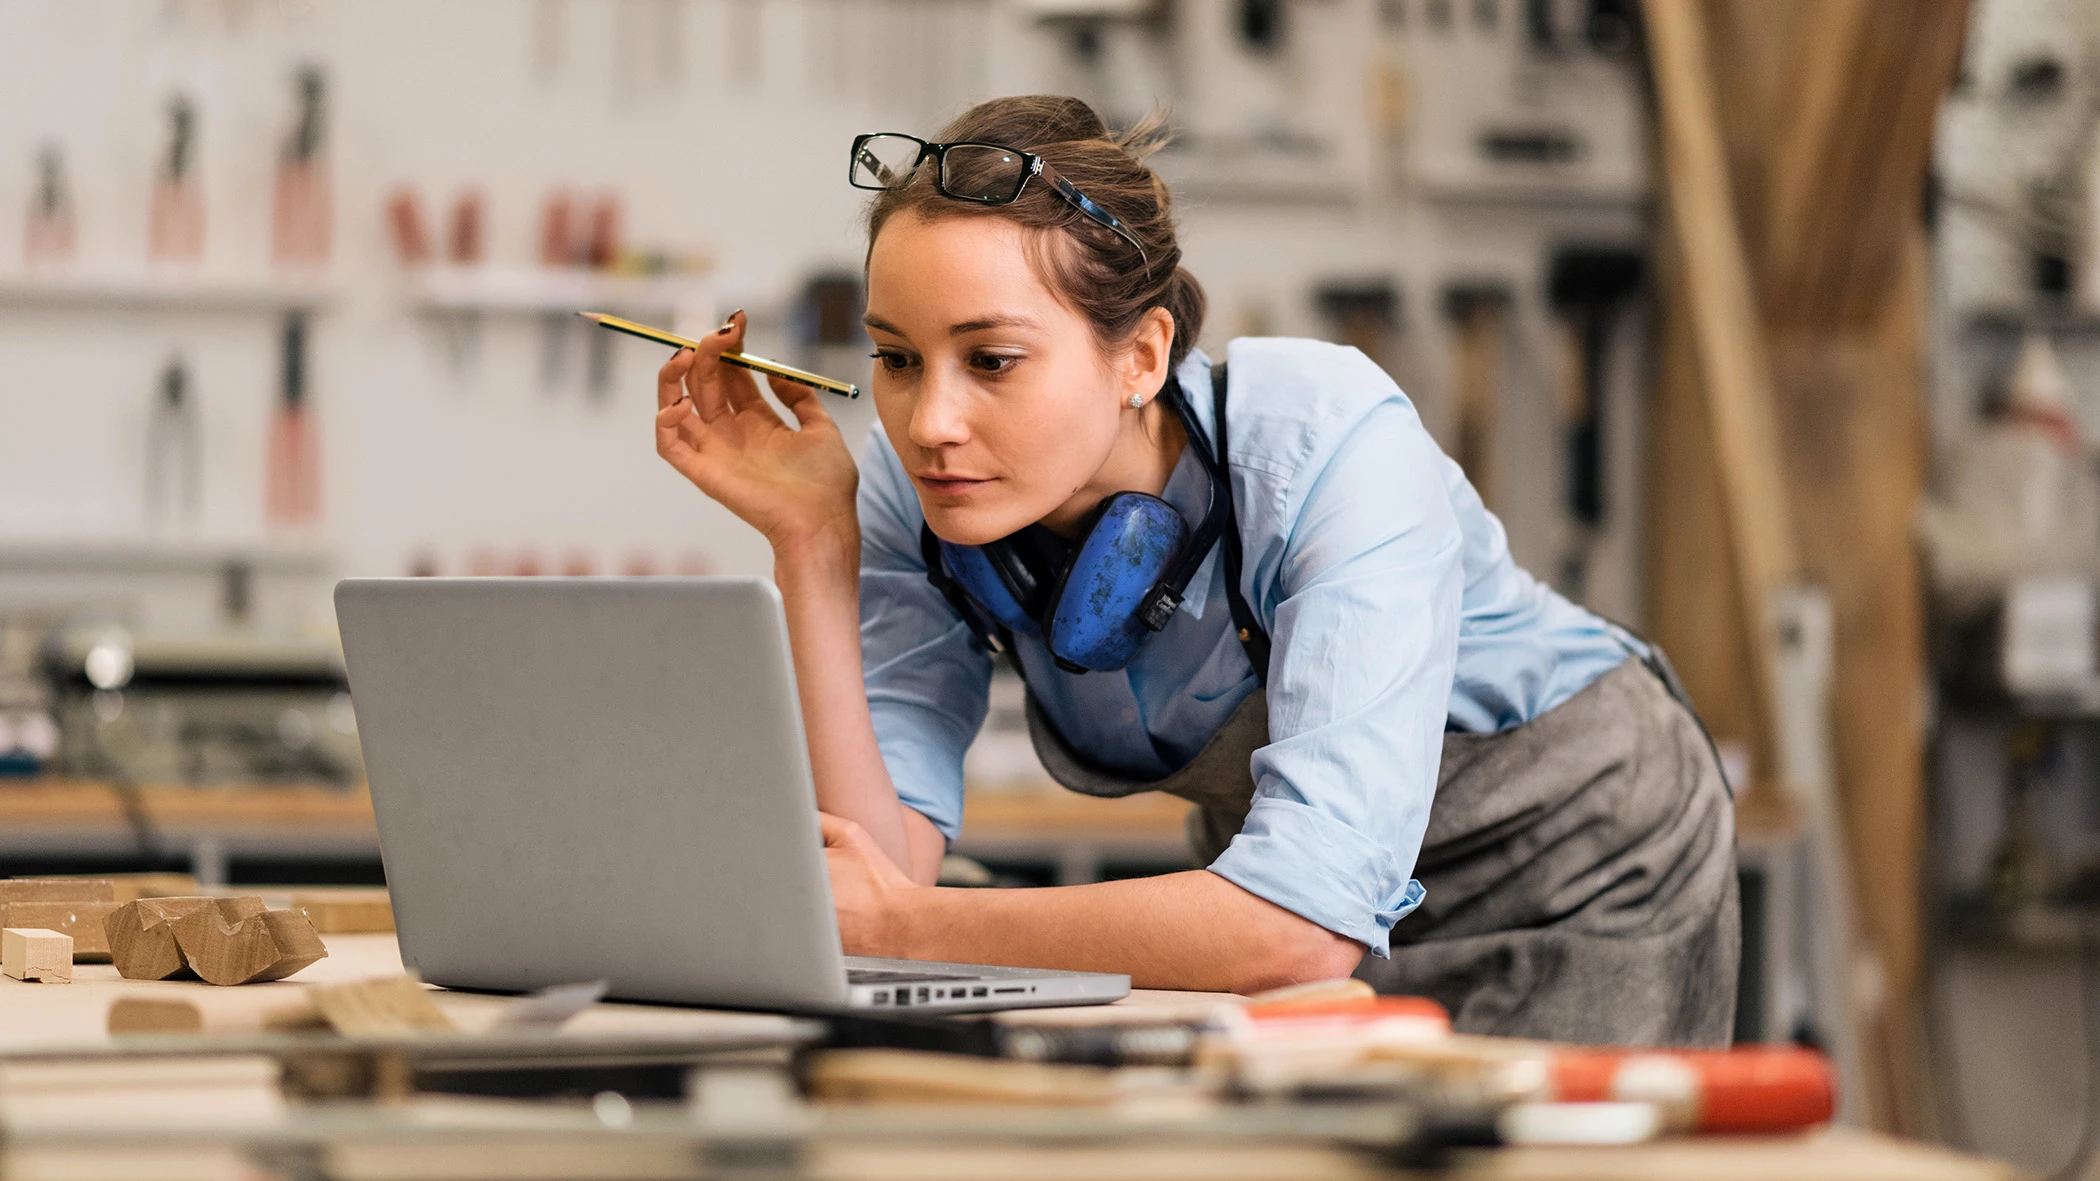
[(1253, 637)]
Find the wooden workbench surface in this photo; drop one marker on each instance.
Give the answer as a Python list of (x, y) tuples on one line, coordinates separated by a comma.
[(42, 1017), (46, 1016)]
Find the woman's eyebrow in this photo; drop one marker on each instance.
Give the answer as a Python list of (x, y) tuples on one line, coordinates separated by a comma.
[(881, 325), (998, 321)]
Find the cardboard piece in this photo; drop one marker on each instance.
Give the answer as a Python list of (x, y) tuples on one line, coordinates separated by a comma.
[(33, 953)]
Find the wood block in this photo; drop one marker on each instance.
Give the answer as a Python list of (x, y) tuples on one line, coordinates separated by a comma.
[(57, 890), (33, 953), (141, 934), (347, 910), (81, 920), (1315, 994), (387, 1006), (270, 1011), (231, 944), (915, 1076)]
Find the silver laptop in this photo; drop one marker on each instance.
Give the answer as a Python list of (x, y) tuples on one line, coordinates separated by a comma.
[(582, 779)]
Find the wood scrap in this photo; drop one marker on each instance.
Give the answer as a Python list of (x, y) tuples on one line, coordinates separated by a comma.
[(273, 1011), (385, 1007), (141, 934), (81, 920), (916, 1076), (229, 945), (347, 910), (35, 953), (1313, 994)]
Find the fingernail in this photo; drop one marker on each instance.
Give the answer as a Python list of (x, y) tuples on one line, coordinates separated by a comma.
[(725, 330)]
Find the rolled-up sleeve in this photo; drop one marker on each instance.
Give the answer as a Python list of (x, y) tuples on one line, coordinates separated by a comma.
[(927, 677), (1366, 590)]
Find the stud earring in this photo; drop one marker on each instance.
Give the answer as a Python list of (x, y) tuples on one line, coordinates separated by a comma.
[(1137, 401)]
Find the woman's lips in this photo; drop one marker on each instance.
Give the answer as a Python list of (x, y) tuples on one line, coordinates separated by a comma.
[(950, 485)]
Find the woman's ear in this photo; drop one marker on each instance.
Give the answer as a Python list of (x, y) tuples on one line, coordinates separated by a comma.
[(1151, 347)]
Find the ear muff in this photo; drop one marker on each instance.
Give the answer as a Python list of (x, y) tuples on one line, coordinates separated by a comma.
[(1094, 615), (981, 578)]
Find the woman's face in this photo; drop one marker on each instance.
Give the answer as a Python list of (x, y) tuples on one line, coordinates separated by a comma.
[(997, 396)]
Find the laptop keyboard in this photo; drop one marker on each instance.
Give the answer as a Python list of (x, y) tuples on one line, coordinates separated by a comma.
[(889, 976)]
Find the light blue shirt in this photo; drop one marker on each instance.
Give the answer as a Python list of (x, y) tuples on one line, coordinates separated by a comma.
[(1385, 584)]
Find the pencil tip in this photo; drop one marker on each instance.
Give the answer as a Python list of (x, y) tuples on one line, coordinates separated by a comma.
[(596, 316)]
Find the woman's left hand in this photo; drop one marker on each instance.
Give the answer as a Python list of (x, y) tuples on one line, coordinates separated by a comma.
[(868, 890)]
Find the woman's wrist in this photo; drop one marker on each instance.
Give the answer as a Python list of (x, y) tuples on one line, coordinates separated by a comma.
[(904, 921), (823, 550)]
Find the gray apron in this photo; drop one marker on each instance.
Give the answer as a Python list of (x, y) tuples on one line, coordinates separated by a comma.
[(1579, 869)]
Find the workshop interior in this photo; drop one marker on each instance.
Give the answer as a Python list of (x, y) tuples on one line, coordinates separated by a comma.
[(1770, 330)]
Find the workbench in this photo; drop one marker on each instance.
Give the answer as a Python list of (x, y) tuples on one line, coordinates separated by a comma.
[(1077, 837), (437, 1137)]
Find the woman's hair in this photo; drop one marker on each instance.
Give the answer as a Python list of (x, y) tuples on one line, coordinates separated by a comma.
[(1089, 265)]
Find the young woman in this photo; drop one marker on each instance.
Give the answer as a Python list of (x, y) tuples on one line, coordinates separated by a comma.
[(1413, 761)]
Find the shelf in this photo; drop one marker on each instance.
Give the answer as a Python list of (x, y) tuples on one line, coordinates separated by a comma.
[(144, 556), (2048, 319), (547, 290), (169, 290)]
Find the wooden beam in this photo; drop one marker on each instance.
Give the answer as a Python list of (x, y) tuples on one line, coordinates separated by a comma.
[(1849, 157), (1726, 336)]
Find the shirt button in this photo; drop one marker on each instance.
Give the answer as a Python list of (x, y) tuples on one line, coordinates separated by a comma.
[(1130, 713)]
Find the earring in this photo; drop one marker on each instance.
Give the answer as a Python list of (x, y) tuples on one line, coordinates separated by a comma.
[(1137, 401)]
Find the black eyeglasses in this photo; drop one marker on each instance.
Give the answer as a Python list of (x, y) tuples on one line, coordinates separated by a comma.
[(983, 174)]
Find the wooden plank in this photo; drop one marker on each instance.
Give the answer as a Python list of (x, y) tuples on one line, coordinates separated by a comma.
[(56, 890), (346, 910), (1727, 339), (80, 921)]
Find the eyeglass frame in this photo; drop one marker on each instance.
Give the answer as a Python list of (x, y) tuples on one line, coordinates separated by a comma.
[(1031, 165)]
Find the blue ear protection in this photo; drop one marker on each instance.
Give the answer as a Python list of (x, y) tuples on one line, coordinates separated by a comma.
[(1094, 602)]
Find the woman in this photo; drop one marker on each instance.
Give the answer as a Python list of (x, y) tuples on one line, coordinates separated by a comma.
[(1355, 646)]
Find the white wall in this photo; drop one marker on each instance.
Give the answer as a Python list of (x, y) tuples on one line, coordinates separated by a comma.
[(653, 98)]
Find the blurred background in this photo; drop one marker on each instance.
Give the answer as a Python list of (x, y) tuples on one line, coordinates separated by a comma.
[(1770, 328)]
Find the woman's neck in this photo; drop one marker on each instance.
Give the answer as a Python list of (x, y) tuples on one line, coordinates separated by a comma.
[(1142, 460)]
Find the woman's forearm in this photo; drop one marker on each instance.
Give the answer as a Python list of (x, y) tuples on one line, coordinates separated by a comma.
[(819, 585), (1191, 930)]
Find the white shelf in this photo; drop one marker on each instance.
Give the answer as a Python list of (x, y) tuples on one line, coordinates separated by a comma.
[(146, 555), (171, 290), (550, 290)]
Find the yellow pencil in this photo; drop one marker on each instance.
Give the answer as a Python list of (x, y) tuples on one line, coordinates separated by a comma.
[(745, 360)]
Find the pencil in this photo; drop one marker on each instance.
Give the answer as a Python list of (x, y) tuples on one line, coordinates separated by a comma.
[(743, 360)]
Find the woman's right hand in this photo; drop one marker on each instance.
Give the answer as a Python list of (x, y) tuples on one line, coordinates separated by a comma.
[(795, 486)]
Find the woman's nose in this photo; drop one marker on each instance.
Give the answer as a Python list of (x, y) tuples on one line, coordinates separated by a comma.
[(939, 417)]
